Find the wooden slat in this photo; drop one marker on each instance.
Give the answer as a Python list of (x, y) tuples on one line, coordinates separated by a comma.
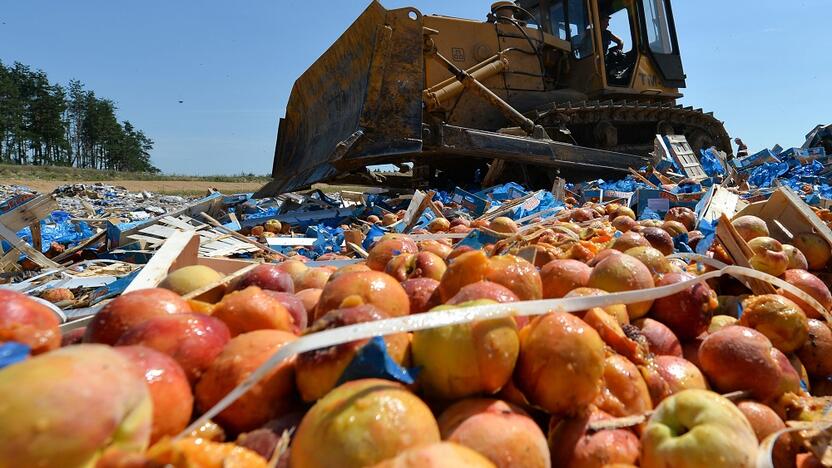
[(34, 255), (29, 213), (740, 252), (178, 251)]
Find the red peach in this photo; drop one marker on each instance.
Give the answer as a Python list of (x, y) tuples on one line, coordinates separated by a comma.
[(624, 223), (797, 261), (268, 276), (318, 371), (654, 260), (602, 255), (501, 432), (295, 268), (483, 290), (811, 285), (561, 276), (420, 265), (55, 295), (740, 358), (352, 268), (361, 423), (668, 375), (778, 318), (816, 352), (169, 390), (684, 215), (271, 397), (689, 312), (765, 422), (769, 256), (310, 298), (815, 248), (27, 321), (439, 225), (371, 287), (252, 309), (294, 306), (628, 240), (659, 239), (674, 228), (663, 341), (73, 337), (131, 309), (624, 211), (422, 294), (624, 392), (574, 445), (388, 219), (515, 273), (561, 363), (623, 273), (313, 278), (503, 225), (373, 219), (386, 248), (437, 455), (192, 340), (750, 227), (458, 251), (436, 247)]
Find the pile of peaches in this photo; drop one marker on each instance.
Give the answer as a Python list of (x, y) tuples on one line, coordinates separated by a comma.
[(698, 378)]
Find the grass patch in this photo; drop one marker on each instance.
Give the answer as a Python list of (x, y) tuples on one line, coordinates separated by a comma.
[(9, 171)]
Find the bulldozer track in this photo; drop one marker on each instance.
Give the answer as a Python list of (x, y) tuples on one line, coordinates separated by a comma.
[(701, 128)]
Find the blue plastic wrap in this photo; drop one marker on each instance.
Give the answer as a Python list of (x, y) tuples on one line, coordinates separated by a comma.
[(329, 239), (373, 362), (766, 174), (710, 162), (708, 230), (540, 202), (12, 352), (373, 235), (680, 243), (625, 185), (649, 213), (57, 228)]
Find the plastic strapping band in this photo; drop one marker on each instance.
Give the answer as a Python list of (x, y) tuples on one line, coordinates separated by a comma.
[(428, 320)]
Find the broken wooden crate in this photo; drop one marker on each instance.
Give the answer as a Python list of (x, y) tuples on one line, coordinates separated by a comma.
[(213, 242)]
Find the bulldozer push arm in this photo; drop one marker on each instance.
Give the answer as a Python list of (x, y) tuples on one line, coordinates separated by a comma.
[(364, 101)]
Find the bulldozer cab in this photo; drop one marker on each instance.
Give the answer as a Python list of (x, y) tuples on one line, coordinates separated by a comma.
[(619, 47)]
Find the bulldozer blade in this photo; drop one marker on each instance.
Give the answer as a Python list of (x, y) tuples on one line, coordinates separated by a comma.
[(358, 104)]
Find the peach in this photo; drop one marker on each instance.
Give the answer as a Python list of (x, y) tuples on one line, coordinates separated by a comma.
[(573, 444), (310, 299), (618, 311), (373, 219), (352, 268), (252, 309), (388, 247), (811, 285), (422, 294), (461, 360), (192, 340), (457, 251), (294, 268), (797, 261), (623, 273), (439, 225), (73, 337), (624, 223), (257, 231), (294, 306), (683, 215), (438, 455), (668, 375), (765, 421), (561, 363), (624, 211), (561, 276), (313, 278), (515, 273), (361, 423), (55, 295), (778, 318), (270, 398), (274, 226), (503, 225), (613, 335), (268, 276), (65, 407), (388, 219), (689, 312), (194, 452), (816, 352), (768, 256), (169, 390), (674, 228), (435, 247), (371, 287), (420, 265), (191, 278), (718, 322), (662, 340), (27, 321), (628, 240), (740, 358), (317, 372), (750, 227), (655, 223), (655, 261), (483, 290), (659, 239), (501, 432), (131, 309), (624, 392), (815, 248)]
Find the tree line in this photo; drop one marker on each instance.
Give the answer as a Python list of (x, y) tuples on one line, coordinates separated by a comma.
[(46, 124)]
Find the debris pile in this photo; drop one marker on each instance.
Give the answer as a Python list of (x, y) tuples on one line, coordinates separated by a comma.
[(477, 326)]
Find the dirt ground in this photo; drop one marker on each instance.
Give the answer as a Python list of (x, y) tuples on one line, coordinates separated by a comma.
[(172, 187)]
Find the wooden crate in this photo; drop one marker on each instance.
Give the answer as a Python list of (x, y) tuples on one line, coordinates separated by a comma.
[(787, 215)]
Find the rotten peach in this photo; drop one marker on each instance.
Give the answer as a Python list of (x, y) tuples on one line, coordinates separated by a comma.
[(778, 318)]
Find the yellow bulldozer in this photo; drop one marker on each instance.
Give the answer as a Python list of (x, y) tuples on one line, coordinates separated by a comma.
[(540, 89)]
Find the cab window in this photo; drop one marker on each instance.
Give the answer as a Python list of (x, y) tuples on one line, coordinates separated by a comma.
[(658, 27)]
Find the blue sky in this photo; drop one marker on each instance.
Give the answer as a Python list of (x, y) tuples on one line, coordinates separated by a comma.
[(761, 66)]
